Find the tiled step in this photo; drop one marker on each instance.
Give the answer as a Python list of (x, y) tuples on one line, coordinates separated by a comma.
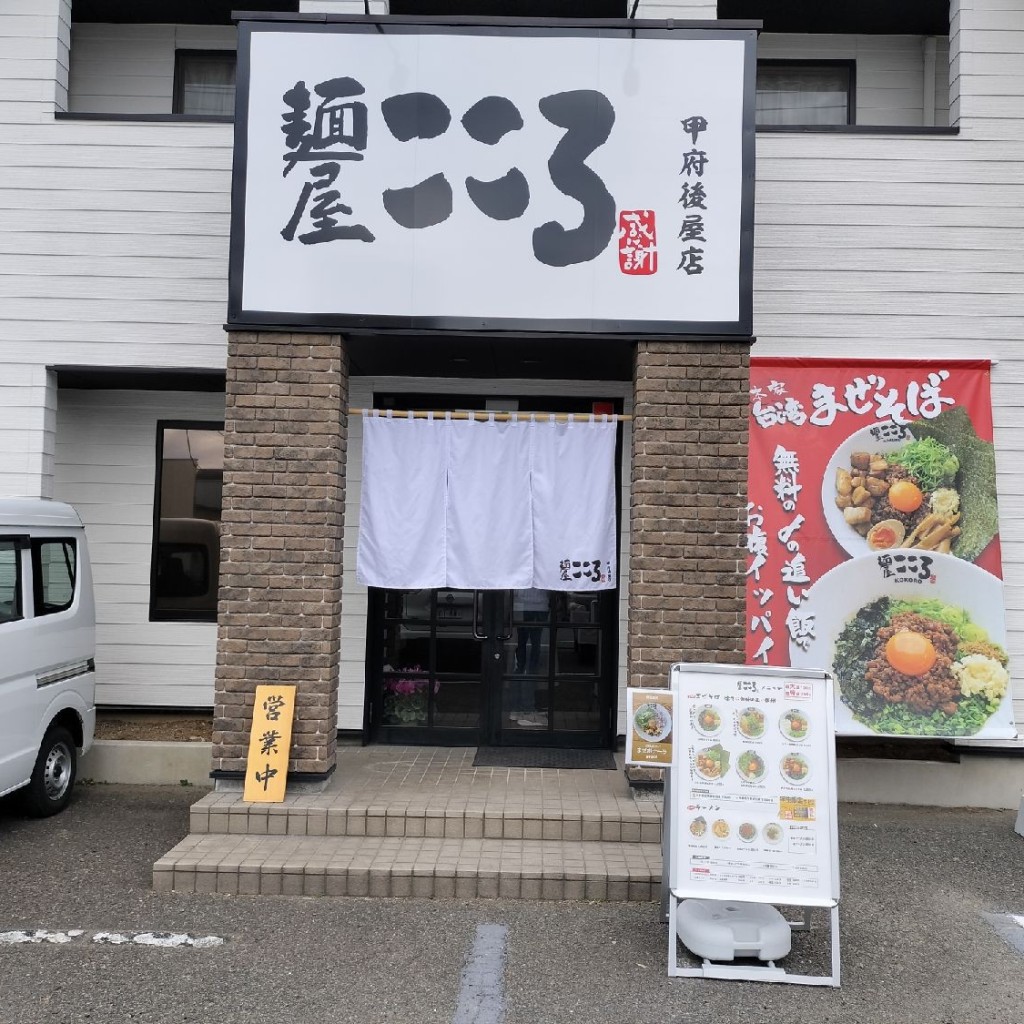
[(622, 820), (411, 866)]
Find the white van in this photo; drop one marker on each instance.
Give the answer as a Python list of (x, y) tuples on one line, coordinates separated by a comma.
[(47, 649)]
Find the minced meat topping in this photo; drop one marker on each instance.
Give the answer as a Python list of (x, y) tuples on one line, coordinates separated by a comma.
[(937, 688)]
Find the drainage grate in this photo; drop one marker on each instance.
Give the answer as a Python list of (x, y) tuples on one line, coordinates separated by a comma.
[(543, 757)]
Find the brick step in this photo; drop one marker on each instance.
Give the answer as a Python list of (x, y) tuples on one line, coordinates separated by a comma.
[(621, 820), (392, 866)]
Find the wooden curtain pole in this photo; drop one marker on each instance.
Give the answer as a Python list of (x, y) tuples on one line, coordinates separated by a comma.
[(501, 417)]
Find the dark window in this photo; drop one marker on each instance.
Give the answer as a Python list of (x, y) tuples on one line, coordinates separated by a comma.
[(910, 18), (10, 581), (513, 8), (54, 571), (186, 541), (805, 93), (204, 82)]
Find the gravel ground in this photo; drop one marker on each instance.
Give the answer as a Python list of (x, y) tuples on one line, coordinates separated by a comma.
[(920, 889), (164, 727)]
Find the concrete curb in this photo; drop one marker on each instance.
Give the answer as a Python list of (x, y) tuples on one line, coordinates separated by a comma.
[(992, 782), (977, 781), (147, 763)]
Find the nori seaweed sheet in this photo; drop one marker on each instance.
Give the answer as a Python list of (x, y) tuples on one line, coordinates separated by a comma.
[(979, 508)]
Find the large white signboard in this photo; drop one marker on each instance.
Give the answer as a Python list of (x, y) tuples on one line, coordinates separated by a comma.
[(438, 177), (753, 786)]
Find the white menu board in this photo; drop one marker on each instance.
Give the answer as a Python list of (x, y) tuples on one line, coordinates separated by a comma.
[(753, 813)]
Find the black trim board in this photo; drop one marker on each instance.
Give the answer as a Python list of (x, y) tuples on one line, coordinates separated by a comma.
[(174, 12), (851, 129), (227, 775), (626, 330), (63, 115), (861, 129), (573, 25), (139, 378), (844, 17)]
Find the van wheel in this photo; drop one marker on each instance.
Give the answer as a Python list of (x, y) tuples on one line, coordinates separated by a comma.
[(53, 775)]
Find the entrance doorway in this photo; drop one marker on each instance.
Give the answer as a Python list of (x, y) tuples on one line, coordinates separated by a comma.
[(494, 667)]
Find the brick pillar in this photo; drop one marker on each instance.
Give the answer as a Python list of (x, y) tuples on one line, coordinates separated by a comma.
[(283, 512), (688, 506)]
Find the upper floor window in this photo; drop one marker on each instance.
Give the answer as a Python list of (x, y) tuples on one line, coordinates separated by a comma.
[(805, 92), (186, 542), (204, 82)]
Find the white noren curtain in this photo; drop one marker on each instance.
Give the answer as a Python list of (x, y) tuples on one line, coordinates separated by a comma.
[(487, 505)]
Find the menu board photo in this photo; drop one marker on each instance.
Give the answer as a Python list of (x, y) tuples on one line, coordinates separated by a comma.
[(753, 813), (649, 738)]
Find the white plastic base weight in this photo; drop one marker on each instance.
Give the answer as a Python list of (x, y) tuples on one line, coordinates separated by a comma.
[(726, 929)]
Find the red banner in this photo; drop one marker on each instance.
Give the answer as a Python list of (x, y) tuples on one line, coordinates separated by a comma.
[(873, 541)]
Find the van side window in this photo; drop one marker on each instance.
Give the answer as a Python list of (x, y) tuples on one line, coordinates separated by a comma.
[(54, 568), (10, 581)]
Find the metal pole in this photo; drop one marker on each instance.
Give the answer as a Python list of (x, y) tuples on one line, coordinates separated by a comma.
[(666, 844)]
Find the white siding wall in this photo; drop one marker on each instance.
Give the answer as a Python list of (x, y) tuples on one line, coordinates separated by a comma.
[(106, 468), (354, 596), (113, 252), (113, 243), (129, 69), (28, 411), (34, 40), (692, 10), (890, 69), (889, 76), (342, 6), (113, 236), (987, 37)]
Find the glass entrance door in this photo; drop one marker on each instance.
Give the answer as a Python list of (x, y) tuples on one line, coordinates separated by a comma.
[(526, 667)]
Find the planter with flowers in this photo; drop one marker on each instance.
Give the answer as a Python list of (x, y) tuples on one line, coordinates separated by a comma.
[(406, 692)]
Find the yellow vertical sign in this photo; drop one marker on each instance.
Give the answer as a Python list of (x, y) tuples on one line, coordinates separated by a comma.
[(269, 743)]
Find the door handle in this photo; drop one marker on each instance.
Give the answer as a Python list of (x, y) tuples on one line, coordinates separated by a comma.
[(508, 618), (477, 635)]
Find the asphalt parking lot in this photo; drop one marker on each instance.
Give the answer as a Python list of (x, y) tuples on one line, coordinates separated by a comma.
[(928, 935)]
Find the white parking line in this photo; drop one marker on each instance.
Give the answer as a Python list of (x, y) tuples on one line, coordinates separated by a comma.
[(171, 939), (482, 988), (1010, 927), (39, 935)]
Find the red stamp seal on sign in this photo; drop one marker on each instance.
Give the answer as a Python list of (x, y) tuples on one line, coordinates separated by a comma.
[(638, 243)]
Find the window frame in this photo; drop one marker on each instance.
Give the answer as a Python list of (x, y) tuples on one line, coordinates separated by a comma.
[(850, 64), (181, 55), (18, 543), (39, 606), (162, 614)]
